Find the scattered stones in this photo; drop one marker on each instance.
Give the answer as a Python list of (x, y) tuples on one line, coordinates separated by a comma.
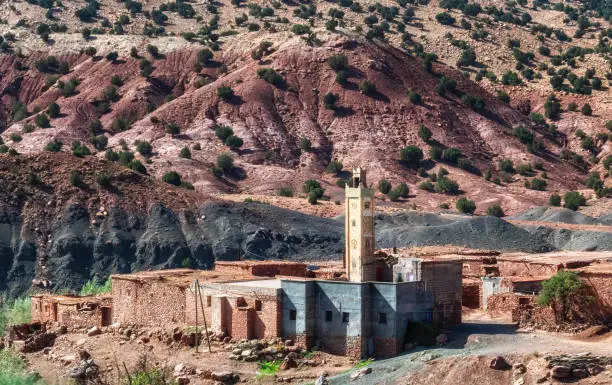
[(224, 376), (36, 342), (94, 331), (499, 363), (519, 368), (288, 363), (68, 359), (595, 369)]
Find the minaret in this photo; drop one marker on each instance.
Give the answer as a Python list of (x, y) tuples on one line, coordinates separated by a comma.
[(359, 229)]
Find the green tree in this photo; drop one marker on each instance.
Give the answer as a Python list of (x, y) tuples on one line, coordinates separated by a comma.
[(560, 291), (185, 153), (225, 162), (329, 100), (366, 87), (53, 110), (573, 200), (334, 167), (223, 132), (552, 108), (465, 205), (401, 190), (172, 177), (234, 142), (586, 109), (144, 147), (226, 93), (424, 133), (42, 121), (305, 144), (495, 211), (411, 156), (384, 186)]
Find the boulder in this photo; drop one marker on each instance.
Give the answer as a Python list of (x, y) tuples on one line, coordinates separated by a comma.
[(441, 339), (499, 363), (84, 355), (560, 371), (224, 376), (519, 368), (580, 373), (595, 369), (288, 363), (94, 331), (182, 380), (360, 373), (322, 380)]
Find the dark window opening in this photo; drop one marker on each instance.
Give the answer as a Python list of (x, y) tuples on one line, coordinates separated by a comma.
[(257, 305), (367, 205), (345, 317), (382, 318), (328, 315), (292, 315), (208, 300)]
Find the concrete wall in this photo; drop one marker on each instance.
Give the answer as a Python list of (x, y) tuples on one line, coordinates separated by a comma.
[(444, 280), (491, 286)]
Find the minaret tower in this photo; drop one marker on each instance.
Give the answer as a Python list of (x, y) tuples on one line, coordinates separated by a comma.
[(359, 229)]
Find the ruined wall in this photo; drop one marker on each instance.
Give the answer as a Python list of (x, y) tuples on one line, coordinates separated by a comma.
[(471, 294), (262, 269), (601, 283), (516, 268), (508, 304), (151, 302)]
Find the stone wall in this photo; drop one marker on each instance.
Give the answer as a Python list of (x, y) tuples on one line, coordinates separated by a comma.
[(151, 302), (518, 268), (601, 283), (262, 268)]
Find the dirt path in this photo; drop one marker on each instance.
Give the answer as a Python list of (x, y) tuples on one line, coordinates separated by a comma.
[(560, 225), (471, 341)]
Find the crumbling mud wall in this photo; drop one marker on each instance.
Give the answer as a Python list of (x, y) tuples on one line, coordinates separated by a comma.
[(262, 269)]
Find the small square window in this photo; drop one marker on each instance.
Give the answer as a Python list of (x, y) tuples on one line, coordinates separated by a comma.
[(292, 315), (367, 205), (382, 318), (328, 316), (345, 317), (353, 223)]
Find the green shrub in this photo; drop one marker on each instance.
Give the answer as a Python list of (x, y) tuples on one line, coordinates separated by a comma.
[(76, 179), (495, 211), (224, 132), (93, 287), (53, 110), (54, 146), (573, 200), (234, 142), (285, 192), (225, 162), (300, 29), (411, 156), (414, 97), (312, 187), (424, 133), (42, 121), (366, 87), (15, 137), (552, 107), (451, 155), (144, 148), (538, 184), (506, 165), (334, 167), (445, 18), (384, 186), (554, 200), (401, 190), (435, 153), (172, 177), (79, 149), (446, 185), (329, 100), (185, 153), (104, 180), (476, 103), (465, 205), (226, 93), (586, 109), (271, 76), (427, 186), (305, 144)]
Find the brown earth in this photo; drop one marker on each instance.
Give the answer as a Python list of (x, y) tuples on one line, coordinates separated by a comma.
[(366, 130)]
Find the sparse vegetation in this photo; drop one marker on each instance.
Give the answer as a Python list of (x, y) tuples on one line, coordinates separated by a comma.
[(466, 206)]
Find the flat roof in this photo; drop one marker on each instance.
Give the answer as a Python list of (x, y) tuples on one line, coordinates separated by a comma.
[(261, 283), (183, 277)]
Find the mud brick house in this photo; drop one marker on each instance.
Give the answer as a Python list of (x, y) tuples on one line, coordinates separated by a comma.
[(363, 309), (72, 311)]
